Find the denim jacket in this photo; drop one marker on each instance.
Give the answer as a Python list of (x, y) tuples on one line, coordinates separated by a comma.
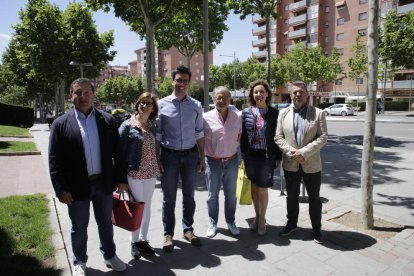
[(132, 139), (249, 122)]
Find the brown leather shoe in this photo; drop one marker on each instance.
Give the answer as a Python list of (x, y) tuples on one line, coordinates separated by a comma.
[(192, 238), (168, 244)]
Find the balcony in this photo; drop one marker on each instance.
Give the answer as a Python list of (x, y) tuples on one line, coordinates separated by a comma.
[(260, 54), (405, 9), (297, 20), (296, 34), (259, 42), (259, 30), (297, 6), (258, 19)]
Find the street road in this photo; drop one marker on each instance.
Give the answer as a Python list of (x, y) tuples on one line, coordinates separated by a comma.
[(393, 165)]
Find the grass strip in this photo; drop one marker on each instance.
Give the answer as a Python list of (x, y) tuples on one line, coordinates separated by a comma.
[(25, 236), (8, 131), (16, 146)]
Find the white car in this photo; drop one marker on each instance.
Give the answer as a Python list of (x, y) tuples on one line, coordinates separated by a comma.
[(339, 109)]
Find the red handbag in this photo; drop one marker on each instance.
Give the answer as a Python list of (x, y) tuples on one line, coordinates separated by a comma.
[(126, 213)]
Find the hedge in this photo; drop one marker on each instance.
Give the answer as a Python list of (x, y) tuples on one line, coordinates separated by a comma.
[(13, 115)]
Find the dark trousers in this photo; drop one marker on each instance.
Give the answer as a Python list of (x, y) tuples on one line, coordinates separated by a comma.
[(313, 184)]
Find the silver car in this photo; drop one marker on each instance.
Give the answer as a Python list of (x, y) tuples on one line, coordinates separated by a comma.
[(339, 109)]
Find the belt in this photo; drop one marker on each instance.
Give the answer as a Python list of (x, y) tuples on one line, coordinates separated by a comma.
[(225, 159), (94, 177), (182, 152)]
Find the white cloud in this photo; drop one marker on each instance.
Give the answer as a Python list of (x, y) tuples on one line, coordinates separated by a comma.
[(5, 36)]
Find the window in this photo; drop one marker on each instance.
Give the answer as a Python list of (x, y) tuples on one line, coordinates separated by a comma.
[(340, 21), (286, 7), (340, 51), (338, 82), (340, 37), (362, 16), (362, 32), (326, 39), (363, 1), (327, 9), (359, 81), (326, 24)]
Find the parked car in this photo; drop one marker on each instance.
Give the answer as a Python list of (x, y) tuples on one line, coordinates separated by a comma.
[(339, 109)]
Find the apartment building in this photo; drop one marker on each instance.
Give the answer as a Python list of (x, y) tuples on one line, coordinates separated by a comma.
[(328, 23), (168, 60), (111, 71)]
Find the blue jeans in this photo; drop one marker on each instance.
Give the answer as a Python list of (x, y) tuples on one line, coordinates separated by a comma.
[(218, 173), (79, 215), (175, 165)]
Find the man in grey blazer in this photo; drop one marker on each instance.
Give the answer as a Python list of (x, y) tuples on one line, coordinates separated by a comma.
[(301, 133)]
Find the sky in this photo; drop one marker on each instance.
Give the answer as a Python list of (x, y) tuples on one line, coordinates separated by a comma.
[(238, 40)]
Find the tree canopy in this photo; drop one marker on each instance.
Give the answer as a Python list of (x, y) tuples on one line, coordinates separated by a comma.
[(397, 40), (46, 40), (183, 28), (357, 63), (121, 90)]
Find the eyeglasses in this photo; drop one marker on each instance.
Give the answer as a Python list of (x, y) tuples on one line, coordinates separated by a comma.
[(183, 81), (146, 103)]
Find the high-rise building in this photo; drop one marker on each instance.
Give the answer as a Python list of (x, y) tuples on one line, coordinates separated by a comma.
[(111, 71), (168, 60), (328, 23)]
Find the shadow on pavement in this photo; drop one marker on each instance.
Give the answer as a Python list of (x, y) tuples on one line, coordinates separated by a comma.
[(342, 161), (347, 240), (406, 201)]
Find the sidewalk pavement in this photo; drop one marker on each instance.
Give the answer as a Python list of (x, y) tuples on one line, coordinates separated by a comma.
[(346, 251)]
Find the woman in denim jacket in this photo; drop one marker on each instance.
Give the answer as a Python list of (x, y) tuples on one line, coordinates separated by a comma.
[(259, 151), (138, 145)]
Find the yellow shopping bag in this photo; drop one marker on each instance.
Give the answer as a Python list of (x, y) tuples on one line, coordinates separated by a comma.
[(244, 187)]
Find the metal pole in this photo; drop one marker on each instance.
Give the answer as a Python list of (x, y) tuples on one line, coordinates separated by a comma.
[(411, 88), (384, 88), (234, 71), (81, 69)]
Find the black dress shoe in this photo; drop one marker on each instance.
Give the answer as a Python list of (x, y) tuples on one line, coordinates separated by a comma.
[(318, 236), (288, 229)]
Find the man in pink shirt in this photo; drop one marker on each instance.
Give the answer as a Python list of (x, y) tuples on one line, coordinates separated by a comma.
[(222, 130)]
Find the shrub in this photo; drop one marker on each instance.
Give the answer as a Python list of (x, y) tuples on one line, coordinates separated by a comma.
[(13, 115)]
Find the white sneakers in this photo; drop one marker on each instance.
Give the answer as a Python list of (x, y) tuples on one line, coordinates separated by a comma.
[(233, 228), (211, 230), (79, 269), (116, 264)]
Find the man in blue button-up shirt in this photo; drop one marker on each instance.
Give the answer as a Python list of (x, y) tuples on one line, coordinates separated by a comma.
[(180, 142)]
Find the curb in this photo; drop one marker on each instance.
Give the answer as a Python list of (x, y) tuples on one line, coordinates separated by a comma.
[(20, 153), (61, 254)]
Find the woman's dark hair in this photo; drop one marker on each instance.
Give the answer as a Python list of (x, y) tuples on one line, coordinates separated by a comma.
[(265, 85)]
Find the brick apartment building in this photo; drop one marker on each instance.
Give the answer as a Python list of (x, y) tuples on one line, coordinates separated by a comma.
[(329, 23), (111, 71), (168, 60)]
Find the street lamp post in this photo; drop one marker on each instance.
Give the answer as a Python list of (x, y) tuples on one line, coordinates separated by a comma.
[(411, 88), (81, 65), (234, 68)]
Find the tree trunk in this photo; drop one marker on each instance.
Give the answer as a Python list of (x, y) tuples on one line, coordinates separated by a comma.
[(150, 56), (268, 61), (369, 132), (205, 53)]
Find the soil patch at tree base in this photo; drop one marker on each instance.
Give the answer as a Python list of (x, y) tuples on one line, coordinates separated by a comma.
[(383, 229)]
